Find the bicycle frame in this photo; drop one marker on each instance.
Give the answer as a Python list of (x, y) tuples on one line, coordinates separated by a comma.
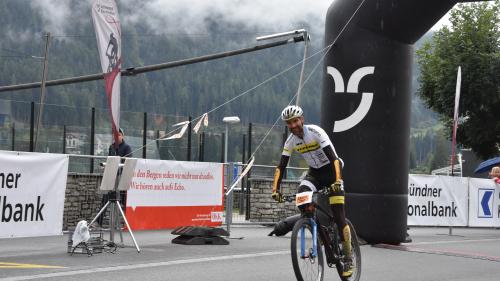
[(331, 253), (315, 239), (316, 219)]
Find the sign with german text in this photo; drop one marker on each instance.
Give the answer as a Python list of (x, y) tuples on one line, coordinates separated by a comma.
[(437, 200), (32, 190), (167, 194)]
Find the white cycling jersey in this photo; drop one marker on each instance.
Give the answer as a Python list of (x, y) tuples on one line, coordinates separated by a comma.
[(310, 146)]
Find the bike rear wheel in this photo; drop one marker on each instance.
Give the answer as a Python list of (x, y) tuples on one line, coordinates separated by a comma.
[(356, 257), (307, 267)]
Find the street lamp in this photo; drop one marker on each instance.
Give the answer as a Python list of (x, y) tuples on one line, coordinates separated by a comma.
[(229, 200), (228, 120)]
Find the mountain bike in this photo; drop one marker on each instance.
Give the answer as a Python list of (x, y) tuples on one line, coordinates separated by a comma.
[(315, 231)]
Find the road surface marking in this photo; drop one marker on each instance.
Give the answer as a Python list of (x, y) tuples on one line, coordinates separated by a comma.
[(14, 265), (142, 265)]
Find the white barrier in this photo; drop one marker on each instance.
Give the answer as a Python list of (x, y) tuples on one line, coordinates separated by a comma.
[(167, 194), (437, 200), (484, 201), (453, 201), (32, 189)]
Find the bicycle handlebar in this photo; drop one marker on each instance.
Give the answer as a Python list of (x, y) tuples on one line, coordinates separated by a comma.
[(291, 198)]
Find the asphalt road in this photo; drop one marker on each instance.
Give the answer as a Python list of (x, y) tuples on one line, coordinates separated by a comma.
[(468, 254)]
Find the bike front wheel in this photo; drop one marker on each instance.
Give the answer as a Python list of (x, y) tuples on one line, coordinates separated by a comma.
[(306, 265)]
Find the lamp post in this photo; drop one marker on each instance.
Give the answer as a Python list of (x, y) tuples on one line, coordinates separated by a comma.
[(229, 199), (228, 120)]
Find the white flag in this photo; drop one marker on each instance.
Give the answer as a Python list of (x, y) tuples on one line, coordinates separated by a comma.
[(179, 135), (457, 101), (244, 173), (108, 33), (455, 117), (204, 119)]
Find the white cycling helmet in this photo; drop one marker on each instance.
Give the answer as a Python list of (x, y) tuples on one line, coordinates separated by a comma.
[(290, 112)]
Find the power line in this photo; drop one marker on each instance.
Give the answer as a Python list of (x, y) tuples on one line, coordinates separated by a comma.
[(245, 93), (329, 47), (19, 54), (132, 71), (164, 34)]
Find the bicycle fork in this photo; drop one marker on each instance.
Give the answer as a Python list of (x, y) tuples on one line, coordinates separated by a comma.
[(314, 239)]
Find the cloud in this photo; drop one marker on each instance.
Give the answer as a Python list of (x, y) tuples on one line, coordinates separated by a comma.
[(19, 36), (191, 16), (55, 14)]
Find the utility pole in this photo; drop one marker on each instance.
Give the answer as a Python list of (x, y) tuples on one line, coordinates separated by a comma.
[(42, 88)]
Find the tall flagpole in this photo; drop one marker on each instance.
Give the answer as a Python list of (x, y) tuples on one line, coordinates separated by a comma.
[(455, 118)]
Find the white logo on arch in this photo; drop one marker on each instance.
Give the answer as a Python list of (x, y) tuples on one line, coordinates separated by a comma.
[(352, 87)]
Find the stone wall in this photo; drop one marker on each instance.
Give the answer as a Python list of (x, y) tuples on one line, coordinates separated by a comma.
[(263, 208), (82, 201)]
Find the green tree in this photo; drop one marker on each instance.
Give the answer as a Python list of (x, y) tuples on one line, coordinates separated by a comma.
[(472, 42), (441, 152)]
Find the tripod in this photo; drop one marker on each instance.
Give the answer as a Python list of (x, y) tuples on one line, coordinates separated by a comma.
[(113, 197)]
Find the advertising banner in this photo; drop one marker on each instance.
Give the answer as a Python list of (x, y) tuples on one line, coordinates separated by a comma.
[(484, 203), (437, 200), (32, 190), (167, 194), (108, 33)]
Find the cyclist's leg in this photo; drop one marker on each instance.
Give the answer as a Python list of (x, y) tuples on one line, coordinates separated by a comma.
[(324, 177), (307, 185), (337, 199)]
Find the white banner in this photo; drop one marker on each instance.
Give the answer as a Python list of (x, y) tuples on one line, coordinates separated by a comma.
[(484, 203), (108, 33), (175, 183), (32, 190), (437, 200)]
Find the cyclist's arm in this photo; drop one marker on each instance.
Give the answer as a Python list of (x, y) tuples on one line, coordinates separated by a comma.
[(336, 162), (278, 173)]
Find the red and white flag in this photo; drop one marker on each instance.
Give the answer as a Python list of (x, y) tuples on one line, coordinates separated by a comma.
[(108, 33)]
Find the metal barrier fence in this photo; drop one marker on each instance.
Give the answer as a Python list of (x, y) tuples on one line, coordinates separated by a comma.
[(238, 204), (86, 131), (83, 198)]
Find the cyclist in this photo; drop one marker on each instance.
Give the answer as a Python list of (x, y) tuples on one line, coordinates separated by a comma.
[(113, 53), (312, 142)]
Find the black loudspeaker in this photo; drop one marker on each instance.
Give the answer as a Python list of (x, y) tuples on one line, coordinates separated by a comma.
[(284, 226), (365, 105), (198, 235)]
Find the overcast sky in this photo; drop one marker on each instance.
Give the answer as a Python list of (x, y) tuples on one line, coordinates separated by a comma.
[(189, 16)]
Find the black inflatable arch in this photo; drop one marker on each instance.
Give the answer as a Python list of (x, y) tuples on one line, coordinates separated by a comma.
[(365, 105)]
